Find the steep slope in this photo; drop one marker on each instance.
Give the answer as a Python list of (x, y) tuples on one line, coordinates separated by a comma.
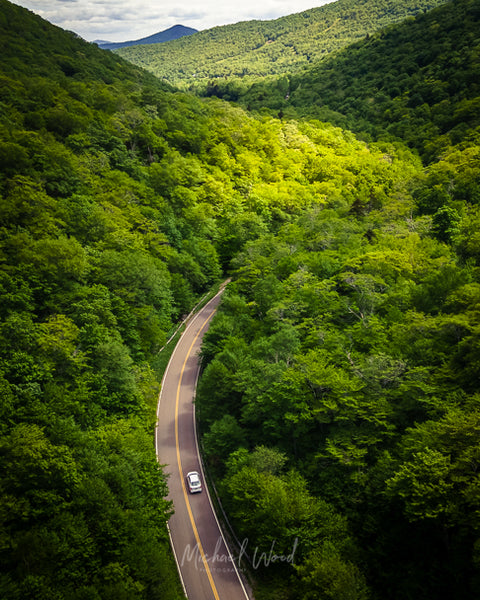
[(173, 33), (418, 81), (61, 56), (342, 369), (260, 48), (339, 401), (121, 204)]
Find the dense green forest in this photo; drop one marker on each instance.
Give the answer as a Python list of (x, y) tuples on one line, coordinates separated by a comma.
[(418, 82), (341, 376), (339, 404), (253, 49)]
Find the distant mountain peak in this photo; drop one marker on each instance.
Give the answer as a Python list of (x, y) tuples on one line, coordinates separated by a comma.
[(172, 33)]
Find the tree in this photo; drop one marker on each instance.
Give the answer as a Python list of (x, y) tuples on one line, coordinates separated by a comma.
[(325, 575), (224, 436), (274, 510), (445, 224), (437, 478)]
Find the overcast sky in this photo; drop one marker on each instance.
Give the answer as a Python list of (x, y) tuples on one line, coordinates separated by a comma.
[(122, 20)]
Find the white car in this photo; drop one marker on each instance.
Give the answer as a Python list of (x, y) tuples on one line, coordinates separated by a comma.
[(193, 482)]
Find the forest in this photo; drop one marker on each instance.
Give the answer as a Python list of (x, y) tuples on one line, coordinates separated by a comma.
[(419, 83), (246, 51), (338, 405)]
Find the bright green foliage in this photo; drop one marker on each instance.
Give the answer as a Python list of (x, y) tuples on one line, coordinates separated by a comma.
[(416, 81), (348, 343), (121, 203)]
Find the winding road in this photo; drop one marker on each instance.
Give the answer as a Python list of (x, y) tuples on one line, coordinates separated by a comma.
[(204, 561)]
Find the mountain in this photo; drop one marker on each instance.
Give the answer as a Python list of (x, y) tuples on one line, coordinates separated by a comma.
[(409, 85), (338, 403), (260, 48), (173, 33)]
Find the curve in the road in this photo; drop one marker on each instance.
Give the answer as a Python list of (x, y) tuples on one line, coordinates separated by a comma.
[(180, 469), (206, 567)]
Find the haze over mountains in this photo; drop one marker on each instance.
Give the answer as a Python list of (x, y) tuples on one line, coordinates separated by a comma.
[(172, 33)]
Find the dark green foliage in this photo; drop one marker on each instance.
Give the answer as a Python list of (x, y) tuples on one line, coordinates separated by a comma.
[(347, 342), (339, 397), (445, 223), (83, 514), (87, 300), (363, 376)]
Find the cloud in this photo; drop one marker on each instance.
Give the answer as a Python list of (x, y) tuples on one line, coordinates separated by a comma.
[(121, 20)]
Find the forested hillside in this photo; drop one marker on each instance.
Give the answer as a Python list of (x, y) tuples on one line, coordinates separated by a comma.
[(255, 49), (418, 81), (339, 400), (341, 376)]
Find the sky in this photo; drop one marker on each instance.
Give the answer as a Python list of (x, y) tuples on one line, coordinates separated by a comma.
[(122, 20)]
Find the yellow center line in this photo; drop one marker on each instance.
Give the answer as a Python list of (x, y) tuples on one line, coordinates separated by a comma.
[(179, 460)]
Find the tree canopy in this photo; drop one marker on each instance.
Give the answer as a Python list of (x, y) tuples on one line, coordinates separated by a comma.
[(338, 402), (251, 49)]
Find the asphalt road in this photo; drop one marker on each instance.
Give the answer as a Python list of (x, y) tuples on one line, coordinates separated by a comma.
[(204, 561)]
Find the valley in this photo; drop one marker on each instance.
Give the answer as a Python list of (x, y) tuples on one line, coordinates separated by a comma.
[(338, 406)]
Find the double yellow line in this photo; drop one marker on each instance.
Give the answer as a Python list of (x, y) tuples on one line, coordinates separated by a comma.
[(179, 460)]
